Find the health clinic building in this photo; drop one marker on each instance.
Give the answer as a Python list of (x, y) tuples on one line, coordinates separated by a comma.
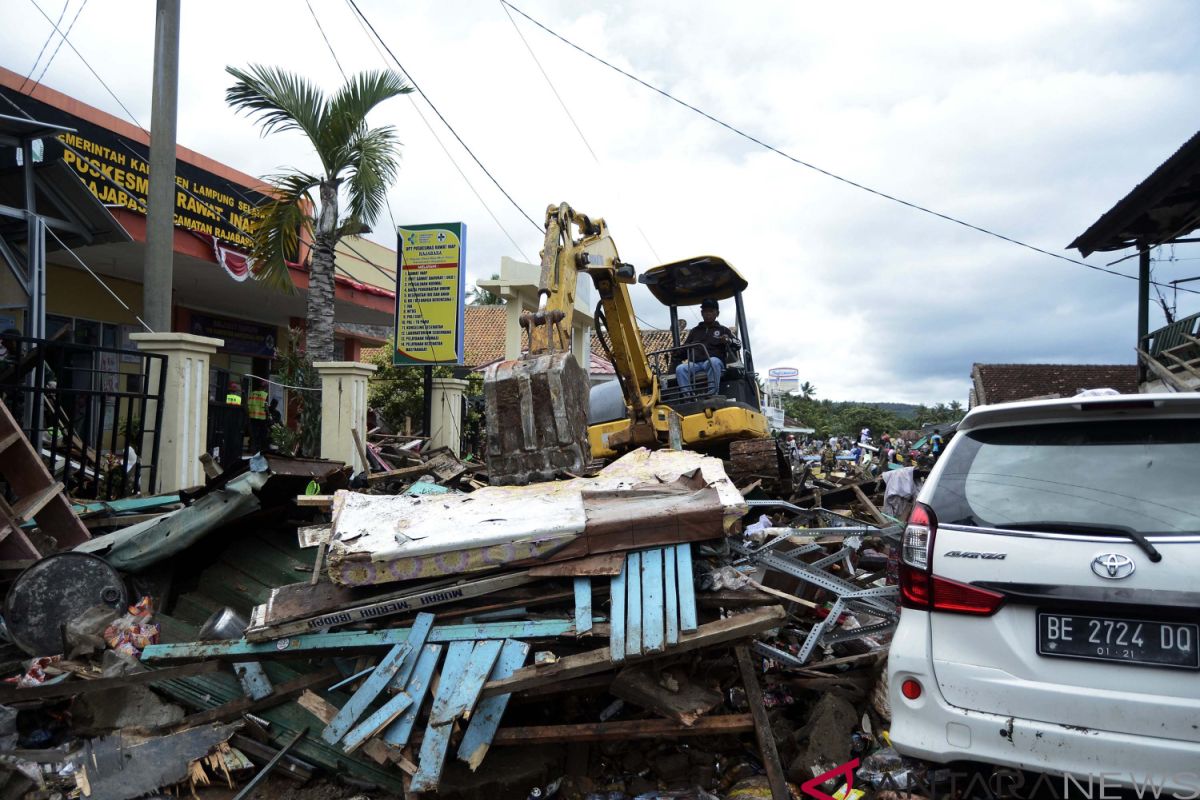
[(213, 293)]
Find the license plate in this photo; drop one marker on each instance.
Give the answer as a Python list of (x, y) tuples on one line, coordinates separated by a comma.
[(1128, 641)]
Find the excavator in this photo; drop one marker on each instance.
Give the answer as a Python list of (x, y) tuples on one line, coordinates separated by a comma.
[(543, 421)]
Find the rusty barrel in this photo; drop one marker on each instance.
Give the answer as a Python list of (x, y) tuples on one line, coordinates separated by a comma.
[(537, 409)]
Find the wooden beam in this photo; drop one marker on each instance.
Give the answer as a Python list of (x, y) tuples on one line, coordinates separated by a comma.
[(12, 694), (762, 726), (728, 724), (1164, 374), (593, 661), (1195, 373), (875, 513), (244, 705)]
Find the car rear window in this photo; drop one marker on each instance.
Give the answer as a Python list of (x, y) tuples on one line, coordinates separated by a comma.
[(1139, 474)]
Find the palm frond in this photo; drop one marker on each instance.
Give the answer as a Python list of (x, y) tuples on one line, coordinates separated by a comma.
[(277, 234), (349, 105), (373, 166), (278, 100)]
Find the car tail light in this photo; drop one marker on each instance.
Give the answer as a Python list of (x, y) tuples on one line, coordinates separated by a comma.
[(911, 689), (921, 589)]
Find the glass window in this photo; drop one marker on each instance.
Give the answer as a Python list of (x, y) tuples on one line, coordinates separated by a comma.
[(1138, 474)]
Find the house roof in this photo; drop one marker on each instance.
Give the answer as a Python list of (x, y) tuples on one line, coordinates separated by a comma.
[(483, 334), (1162, 207), (1005, 383), (653, 339)]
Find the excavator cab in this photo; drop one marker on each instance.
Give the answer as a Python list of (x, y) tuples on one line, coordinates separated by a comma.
[(689, 283), (708, 417)]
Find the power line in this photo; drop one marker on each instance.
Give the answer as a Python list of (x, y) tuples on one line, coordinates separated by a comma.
[(563, 105), (45, 44), (814, 167), (58, 47), (442, 145), (424, 96), (326, 38)]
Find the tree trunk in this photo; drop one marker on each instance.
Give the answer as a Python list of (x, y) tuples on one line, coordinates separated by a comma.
[(319, 341)]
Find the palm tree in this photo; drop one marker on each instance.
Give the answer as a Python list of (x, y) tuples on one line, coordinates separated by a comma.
[(808, 391), (358, 165)]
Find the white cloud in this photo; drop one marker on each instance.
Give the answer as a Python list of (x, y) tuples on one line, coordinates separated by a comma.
[(1029, 118)]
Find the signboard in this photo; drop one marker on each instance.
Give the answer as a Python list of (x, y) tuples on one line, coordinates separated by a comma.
[(241, 337), (429, 294), (204, 202), (781, 380)]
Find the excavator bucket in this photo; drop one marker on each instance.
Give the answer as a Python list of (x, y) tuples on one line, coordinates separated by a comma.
[(537, 409)]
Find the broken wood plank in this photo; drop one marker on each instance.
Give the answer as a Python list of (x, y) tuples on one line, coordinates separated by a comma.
[(639, 684), (243, 705), (1161, 372), (583, 604), (875, 513), (349, 642), (653, 608), (376, 722), (726, 724), (762, 726), (633, 604), (314, 501), (366, 694), (670, 597), (436, 741), (466, 691), (601, 564), (313, 535), (485, 720), (395, 737), (371, 611), (415, 470), (12, 694), (687, 588), (593, 661), (616, 599)]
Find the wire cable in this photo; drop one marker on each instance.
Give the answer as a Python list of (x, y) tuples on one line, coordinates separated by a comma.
[(424, 96), (326, 38), (45, 44), (99, 280), (814, 167), (58, 47)]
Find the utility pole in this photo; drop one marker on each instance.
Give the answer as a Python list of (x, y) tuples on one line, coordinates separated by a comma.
[(158, 269)]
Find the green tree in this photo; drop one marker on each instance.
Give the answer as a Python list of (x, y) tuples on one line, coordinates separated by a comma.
[(486, 297), (358, 165), (808, 391), (398, 392)]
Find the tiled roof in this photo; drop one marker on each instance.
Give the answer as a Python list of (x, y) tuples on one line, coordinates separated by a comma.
[(483, 334), (1005, 383), (653, 339)]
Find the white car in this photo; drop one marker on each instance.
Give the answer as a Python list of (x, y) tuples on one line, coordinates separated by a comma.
[(1050, 583)]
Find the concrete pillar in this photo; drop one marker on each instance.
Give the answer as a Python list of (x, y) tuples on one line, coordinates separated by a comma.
[(343, 406), (183, 435), (447, 414)]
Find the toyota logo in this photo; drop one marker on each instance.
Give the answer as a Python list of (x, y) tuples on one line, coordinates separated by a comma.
[(1113, 566)]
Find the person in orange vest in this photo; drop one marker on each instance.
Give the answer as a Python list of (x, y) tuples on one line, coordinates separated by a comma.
[(231, 440), (256, 410)]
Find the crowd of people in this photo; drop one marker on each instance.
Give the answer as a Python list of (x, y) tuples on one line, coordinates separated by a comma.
[(871, 454)]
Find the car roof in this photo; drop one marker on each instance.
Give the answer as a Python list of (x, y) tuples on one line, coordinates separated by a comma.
[(1074, 409)]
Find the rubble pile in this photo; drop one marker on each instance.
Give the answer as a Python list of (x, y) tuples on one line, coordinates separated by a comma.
[(646, 630)]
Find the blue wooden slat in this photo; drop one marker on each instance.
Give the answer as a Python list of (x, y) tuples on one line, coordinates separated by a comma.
[(418, 634), (367, 692), (486, 718), (583, 604), (324, 642), (633, 601), (687, 591), (437, 737), (396, 735), (479, 666), (670, 596), (370, 726), (616, 597), (653, 630)]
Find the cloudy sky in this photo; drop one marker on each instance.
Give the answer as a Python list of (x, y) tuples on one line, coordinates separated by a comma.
[(1027, 118)]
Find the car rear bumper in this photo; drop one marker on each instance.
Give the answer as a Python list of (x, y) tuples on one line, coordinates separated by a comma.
[(931, 729)]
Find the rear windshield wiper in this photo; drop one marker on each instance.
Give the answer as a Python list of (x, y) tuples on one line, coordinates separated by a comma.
[(1086, 527)]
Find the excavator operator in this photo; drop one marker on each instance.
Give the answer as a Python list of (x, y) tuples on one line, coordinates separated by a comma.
[(719, 346)]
